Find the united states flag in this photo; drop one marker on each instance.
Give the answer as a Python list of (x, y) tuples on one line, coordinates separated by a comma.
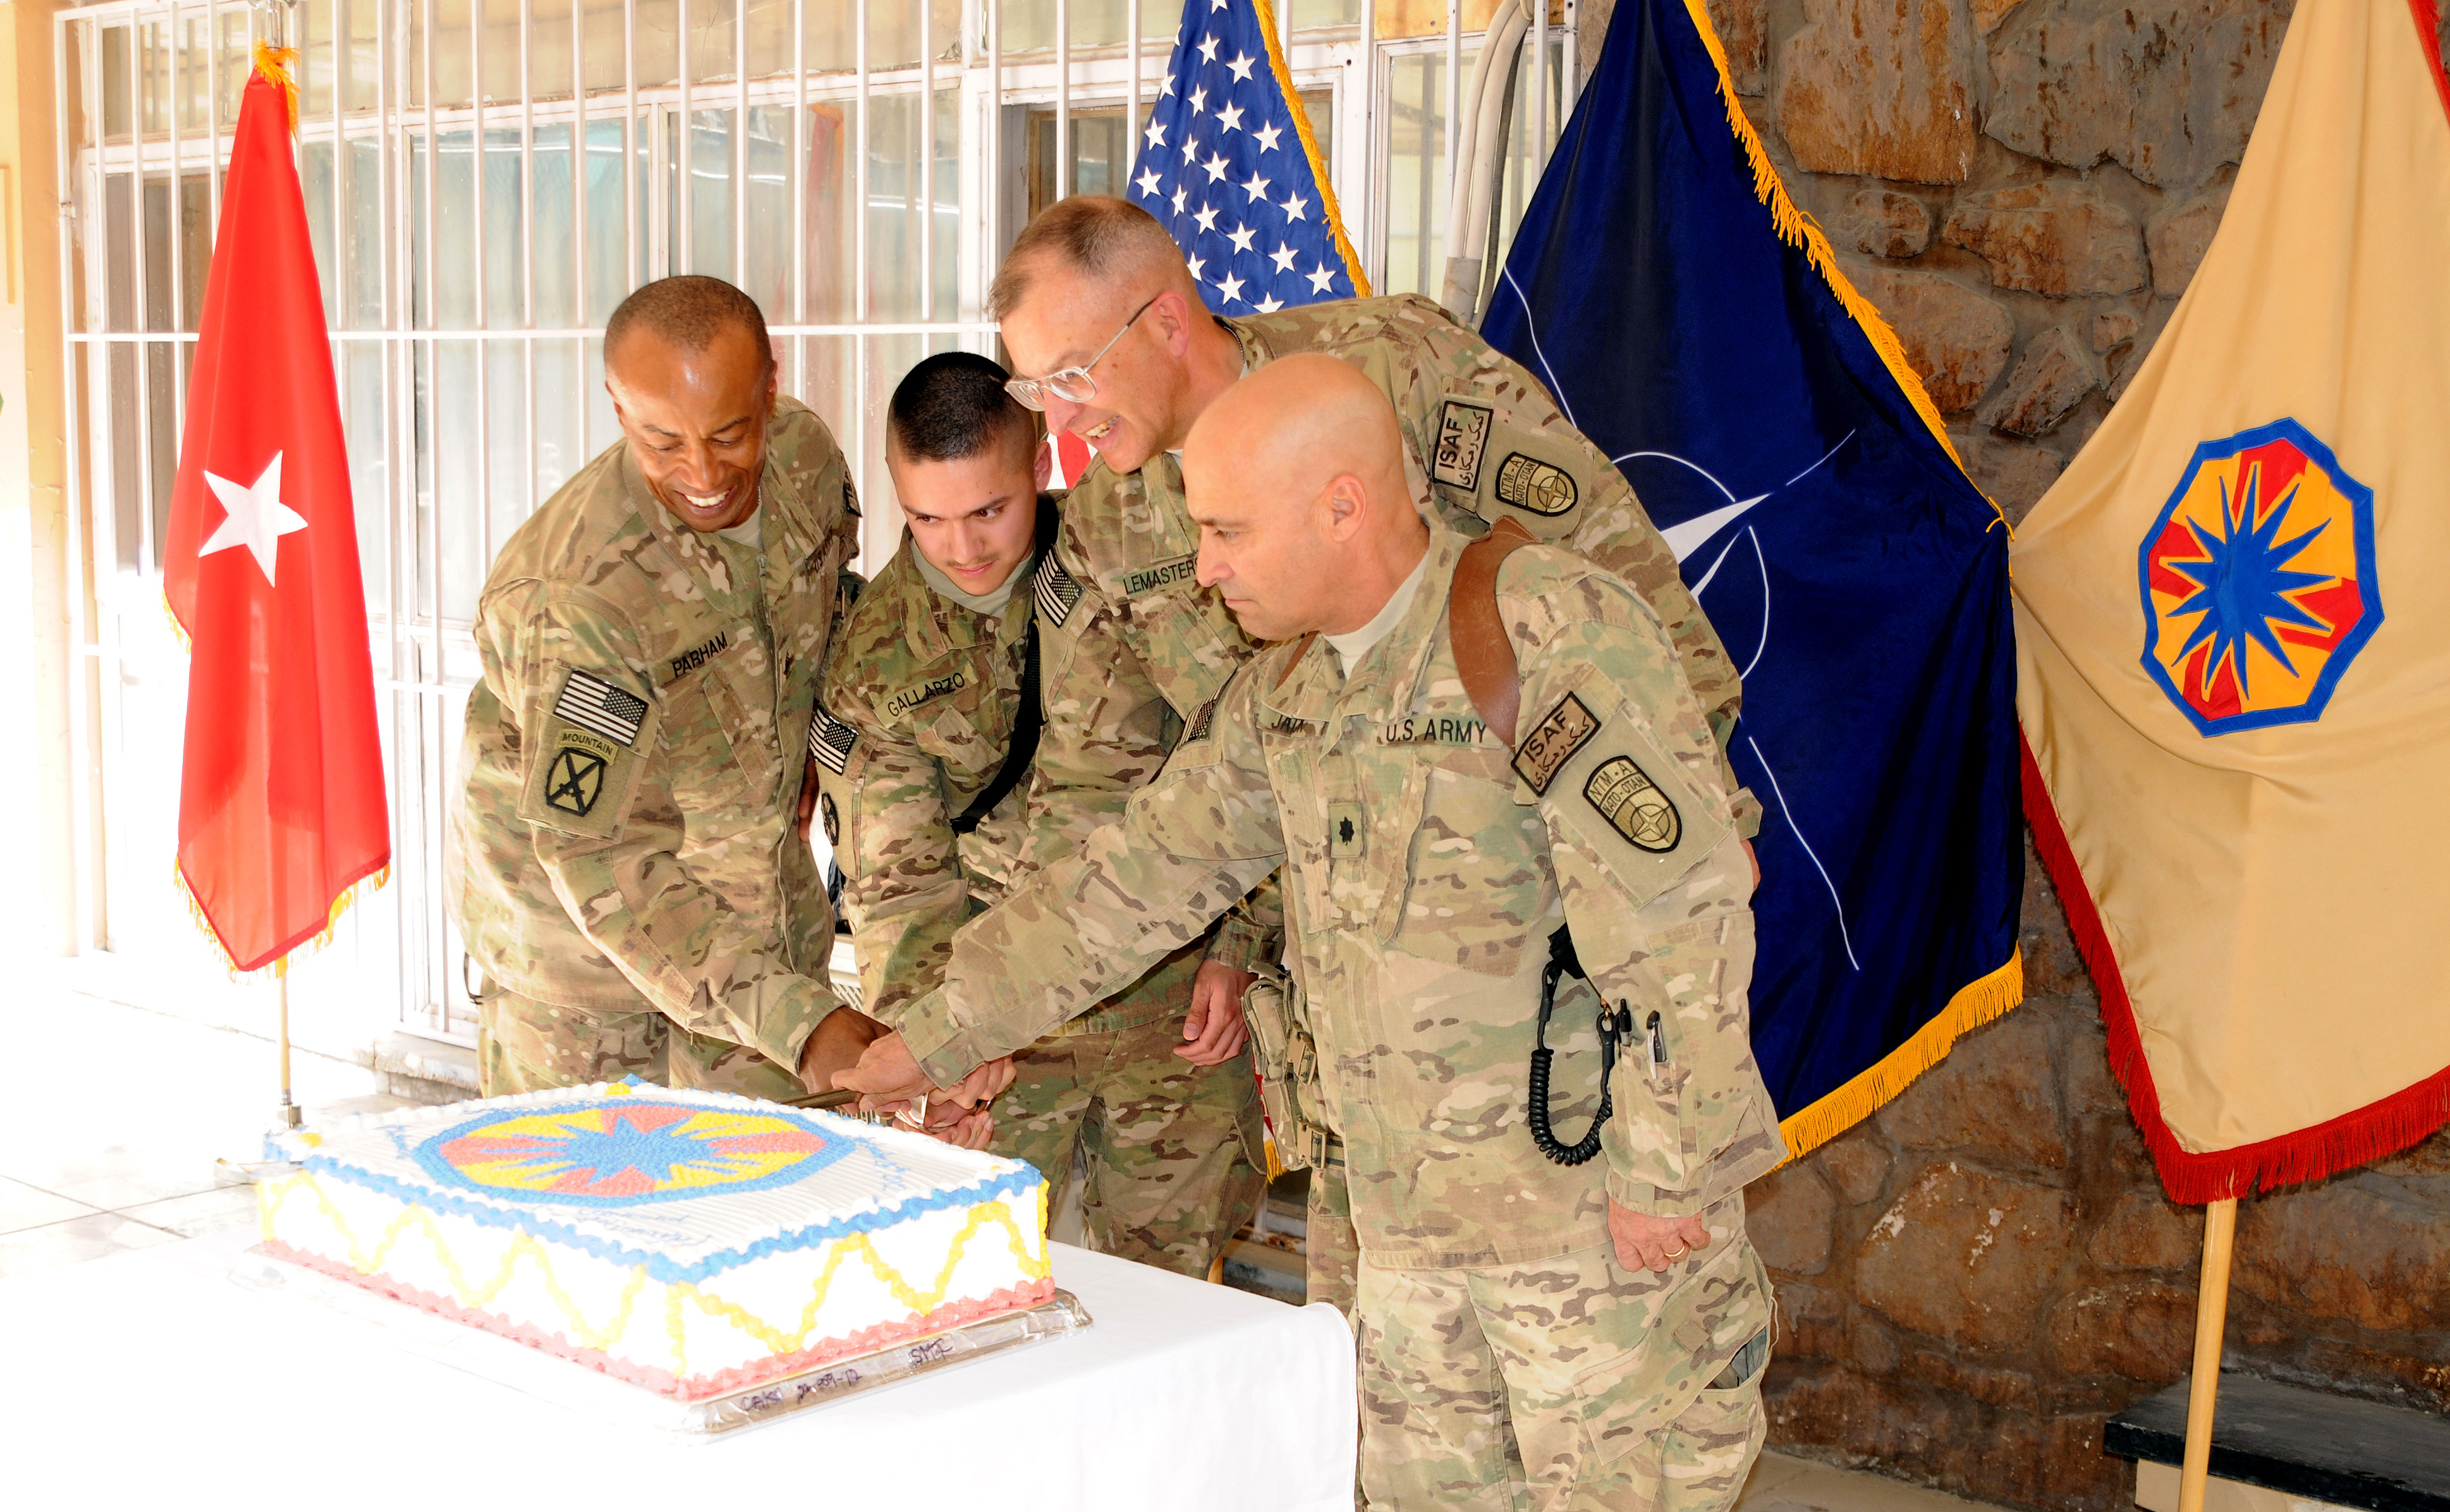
[(1227, 164)]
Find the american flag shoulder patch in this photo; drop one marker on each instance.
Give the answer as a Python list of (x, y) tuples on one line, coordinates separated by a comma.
[(829, 739), (607, 708), (1056, 592)]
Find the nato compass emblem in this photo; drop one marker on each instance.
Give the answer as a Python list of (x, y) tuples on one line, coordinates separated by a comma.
[(2258, 581)]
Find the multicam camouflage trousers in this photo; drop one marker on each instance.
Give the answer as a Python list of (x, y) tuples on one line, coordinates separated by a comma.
[(1168, 1144), (1331, 1251), (523, 1045), (1566, 1386)]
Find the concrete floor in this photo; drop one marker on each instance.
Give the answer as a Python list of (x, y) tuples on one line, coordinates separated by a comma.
[(112, 1149)]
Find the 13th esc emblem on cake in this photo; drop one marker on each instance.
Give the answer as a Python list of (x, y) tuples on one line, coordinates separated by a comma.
[(693, 1242)]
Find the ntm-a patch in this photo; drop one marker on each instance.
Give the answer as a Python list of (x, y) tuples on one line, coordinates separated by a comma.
[(607, 708), (1553, 742), (829, 739), (1633, 805), (1462, 442), (1535, 487), (1056, 592)]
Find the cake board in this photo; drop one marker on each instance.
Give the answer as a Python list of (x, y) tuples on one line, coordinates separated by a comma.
[(615, 1403)]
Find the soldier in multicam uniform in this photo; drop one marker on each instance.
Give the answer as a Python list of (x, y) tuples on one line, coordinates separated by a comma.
[(1134, 645), (1533, 1332), (925, 732), (626, 866)]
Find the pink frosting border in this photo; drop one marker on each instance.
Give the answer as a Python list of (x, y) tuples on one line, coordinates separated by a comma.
[(663, 1383)]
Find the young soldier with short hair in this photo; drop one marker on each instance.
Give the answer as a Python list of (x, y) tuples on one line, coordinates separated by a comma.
[(930, 718)]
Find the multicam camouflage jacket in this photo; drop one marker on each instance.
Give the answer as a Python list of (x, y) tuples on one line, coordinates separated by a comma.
[(1426, 869), (635, 751), (1134, 644), (922, 694)]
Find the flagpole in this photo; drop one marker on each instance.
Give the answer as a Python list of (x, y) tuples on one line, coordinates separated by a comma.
[(287, 1113), (2211, 1319)]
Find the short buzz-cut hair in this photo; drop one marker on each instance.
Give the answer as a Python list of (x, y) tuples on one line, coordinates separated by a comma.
[(953, 405), (1094, 234), (687, 311)]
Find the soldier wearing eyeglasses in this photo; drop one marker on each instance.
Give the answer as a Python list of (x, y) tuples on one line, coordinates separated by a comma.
[(1096, 301)]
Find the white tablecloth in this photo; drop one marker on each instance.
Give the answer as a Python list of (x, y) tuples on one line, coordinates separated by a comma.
[(150, 1379)]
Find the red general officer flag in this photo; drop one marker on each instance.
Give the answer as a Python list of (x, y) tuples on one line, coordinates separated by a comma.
[(2235, 647), (281, 799)]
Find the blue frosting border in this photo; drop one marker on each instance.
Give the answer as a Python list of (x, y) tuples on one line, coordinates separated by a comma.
[(428, 1156), (661, 1267)]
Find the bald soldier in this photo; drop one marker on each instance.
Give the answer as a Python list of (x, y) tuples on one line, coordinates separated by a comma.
[(1096, 299), (1519, 908), (627, 866), (932, 700)]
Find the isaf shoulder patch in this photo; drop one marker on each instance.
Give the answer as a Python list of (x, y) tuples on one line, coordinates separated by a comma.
[(1553, 740), (1633, 805), (829, 739), (1056, 592), (1461, 443), (1535, 487)]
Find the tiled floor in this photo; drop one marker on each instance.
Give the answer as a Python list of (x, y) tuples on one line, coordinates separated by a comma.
[(112, 1147)]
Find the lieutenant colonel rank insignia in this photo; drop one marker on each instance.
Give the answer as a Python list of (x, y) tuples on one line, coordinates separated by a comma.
[(1462, 439), (1056, 590), (1632, 803)]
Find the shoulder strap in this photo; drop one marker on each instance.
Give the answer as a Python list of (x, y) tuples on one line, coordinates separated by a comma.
[(1483, 653), (1030, 719)]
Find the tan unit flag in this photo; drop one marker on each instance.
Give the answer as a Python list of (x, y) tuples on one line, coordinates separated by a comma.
[(2234, 645)]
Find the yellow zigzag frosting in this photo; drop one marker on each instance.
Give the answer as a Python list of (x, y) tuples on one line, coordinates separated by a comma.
[(409, 1217)]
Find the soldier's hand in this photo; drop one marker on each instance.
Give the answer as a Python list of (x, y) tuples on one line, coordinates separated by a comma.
[(983, 1085), (807, 798), (888, 1075), (1749, 855), (1214, 1032), (1644, 1242), (962, 1128), (835, 1047)]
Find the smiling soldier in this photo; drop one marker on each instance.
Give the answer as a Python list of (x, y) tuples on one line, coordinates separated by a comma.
[(931, 708), (627, 865)]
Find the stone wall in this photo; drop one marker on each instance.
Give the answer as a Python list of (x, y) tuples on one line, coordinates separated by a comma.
[(1972, 1281)]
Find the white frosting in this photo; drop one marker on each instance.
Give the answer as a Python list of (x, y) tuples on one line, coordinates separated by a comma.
[(685, 1288)]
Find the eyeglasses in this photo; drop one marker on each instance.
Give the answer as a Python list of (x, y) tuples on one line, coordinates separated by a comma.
[(1072, 384)]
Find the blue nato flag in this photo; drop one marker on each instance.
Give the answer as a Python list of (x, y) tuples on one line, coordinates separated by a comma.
[(1694, 324)]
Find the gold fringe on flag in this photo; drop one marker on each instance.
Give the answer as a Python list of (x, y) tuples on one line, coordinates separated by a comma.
[(1800, 230), (1976, 1004), (1284, 76), (279, 966), (277, 64)]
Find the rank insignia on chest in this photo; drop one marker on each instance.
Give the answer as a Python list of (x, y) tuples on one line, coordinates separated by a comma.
[(1461, 441), (1348, 831), (1553, 740), (1633, 806)]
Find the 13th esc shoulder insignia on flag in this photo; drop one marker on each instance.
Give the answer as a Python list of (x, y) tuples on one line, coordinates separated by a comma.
[(585, 761), (1612, 770)]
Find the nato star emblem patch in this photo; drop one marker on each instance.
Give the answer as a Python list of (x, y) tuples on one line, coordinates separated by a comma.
[(2258, 581)]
